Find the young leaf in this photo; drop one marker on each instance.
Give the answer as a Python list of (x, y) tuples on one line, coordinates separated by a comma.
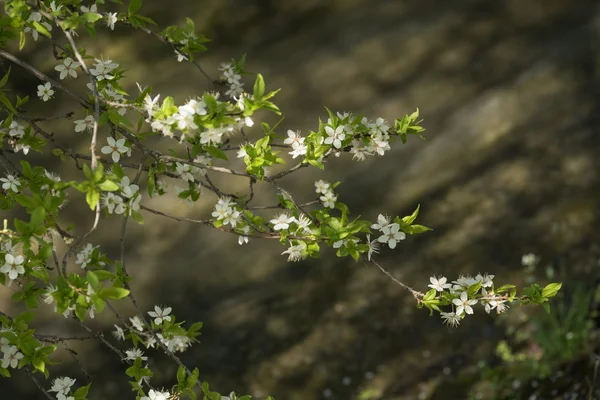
[(259, 87)]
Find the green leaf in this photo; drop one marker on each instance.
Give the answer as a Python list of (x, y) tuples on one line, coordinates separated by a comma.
[(88, 172), (416, 229), (215, 152), (5, 78), (21, 40), (93, 279), (134, 6), (82, 392), (92, 197), (41, 29), (410, 219), (504, 288), (108, 186), (430, 295), (37, 218), (259, 87), (546, 306), (551, 290), (39, 364), (113, 293), (181, 375), (98, 172), (474, 288)]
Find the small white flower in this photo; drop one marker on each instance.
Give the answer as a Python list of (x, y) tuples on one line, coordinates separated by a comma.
[(13, 266), (439, 284), (16, 130), (185, 172), (298, 150), (115, 148), (303, 224), (93, 9), (382, 222), (282, 221), (111, 19), (137, 323), (47, 296), (160, 314), (62, 385), (12, 355), (243, 239), (501, 306), (119, 333), (85, 256), (127, 188), (335, 137), (110, 201), (235, 89), (293, 138), (68, 67), (373, 247), (156, 395), (83, 124), (10, 182), (211, 136), (378, 146), (450, 318), (295, 252), (529, 260), (321, 186), (231, 76), (391, 235), (241, 153), (329, 199), (133, 354), (45, 91), (486, 280), (464, 304), (102, 69)]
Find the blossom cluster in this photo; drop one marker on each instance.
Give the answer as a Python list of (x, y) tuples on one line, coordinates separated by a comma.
[(233, 78), (466, 292)]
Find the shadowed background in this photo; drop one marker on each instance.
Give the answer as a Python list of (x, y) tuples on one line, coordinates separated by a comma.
[(509, 95)]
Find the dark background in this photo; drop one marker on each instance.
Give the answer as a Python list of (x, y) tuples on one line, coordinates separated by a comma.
[(509, 95)]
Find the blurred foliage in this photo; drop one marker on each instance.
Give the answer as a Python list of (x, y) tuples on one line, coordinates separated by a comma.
[(549, 355)]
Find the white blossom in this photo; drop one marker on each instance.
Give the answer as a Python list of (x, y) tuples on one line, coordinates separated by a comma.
[(322, 186), (11, 358), (439, 284), (67, 68), (282, 221), (13, 266), (111, 19), (295, 252), (115, 148), (391, 235), (83, 124), (133, 354), (62, 385), (45, 91), (450, 318), (16, 129), (137, 323), (335, 136), (156, 395), (464, 304), (160, 314), (10, 183), (329, 199), (382, 222)]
